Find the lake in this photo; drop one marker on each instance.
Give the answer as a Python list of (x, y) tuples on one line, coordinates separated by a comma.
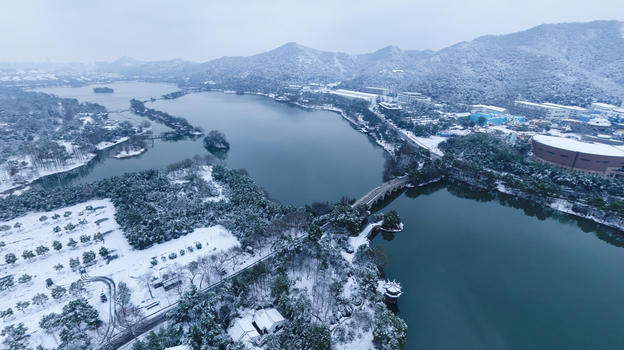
[(476, 273), (298, 156)]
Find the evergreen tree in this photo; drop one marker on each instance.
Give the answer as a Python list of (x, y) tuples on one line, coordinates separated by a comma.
[(25, 278), (58, 292), (16, 337), (41, 250), (72, 243), (28, 254), (39, 299), (10, 258)]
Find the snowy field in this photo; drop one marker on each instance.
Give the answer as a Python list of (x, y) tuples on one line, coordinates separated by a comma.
[(133, 267), (431, 143)]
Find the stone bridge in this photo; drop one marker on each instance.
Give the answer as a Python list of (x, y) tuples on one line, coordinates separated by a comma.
[(382, 191)]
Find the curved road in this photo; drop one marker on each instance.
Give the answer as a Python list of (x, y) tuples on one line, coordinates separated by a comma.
[(112, 292)]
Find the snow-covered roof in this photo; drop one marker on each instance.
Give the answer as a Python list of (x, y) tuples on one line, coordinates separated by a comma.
[(179, 347), (267, 318), (242, 328), (579, 146), (603, 105), (540, 105), (573, 108), (493, 108), (354, 94)]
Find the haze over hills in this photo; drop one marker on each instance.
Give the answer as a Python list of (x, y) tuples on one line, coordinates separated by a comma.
[(566, 63)]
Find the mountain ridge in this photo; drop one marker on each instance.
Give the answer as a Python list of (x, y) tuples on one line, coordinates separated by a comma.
[(563, 62)]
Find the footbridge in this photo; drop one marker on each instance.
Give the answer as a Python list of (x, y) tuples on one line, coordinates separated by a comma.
[(382, 191)]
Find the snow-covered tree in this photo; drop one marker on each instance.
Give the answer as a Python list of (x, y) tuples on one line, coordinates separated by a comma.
[(58, 292), (22, 305), (25, 278), (40, 299), (72, 243), (41, 250), (16, 337), (10, 258), (28, 254)]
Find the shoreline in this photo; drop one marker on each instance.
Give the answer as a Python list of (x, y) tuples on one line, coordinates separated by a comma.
[(76, 165)]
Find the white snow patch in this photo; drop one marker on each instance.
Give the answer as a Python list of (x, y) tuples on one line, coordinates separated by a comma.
[(130, 265), (130, 153), (364, 341), (106, 144), (206, 174), (360, 239), (431, 143)]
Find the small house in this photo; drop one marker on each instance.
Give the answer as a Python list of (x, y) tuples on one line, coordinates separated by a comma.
[(268, 320), (243, 330)]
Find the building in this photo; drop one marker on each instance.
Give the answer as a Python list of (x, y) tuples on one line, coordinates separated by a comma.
[(389, 106), (540, 110), (179, 347), (350, 94), (376, 90), (607, 110), (252, 326), (243, 330), (592, 157), (488, 118), (408, 98), (485, 109), (572, 111), (268, 320), (393, 291)]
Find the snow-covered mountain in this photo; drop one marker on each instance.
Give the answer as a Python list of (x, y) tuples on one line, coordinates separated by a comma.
[(568, 62)]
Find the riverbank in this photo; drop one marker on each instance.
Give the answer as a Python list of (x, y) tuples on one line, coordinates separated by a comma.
[(479, 181), (8, 186)]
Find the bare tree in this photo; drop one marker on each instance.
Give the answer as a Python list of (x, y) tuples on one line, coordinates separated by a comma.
[(205, 266)]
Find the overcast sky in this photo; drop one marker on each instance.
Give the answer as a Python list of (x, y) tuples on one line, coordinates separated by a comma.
[(93, 30)]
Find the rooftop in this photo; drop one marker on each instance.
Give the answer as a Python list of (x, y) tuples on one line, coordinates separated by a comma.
[(573, 108), (541, 105), (494, 108), (579, 146), (353, 94)]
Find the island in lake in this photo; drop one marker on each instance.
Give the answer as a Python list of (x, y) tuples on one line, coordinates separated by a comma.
[(103, 90)]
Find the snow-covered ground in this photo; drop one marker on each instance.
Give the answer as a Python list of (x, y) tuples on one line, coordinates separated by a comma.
[(206, 174), (431, 143), (130, 153), (360, 239), (131, 266), (106, 144)]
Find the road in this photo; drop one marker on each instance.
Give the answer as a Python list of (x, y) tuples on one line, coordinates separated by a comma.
[(402, 135), (112, 293)]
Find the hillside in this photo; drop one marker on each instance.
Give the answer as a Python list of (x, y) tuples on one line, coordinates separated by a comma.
[(567, 63)]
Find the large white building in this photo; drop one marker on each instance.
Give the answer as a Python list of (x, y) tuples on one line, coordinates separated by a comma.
[(608, 110), (407, 98), (350, 94), (376, 90), (545, 110), (572, 111), (485, 109)]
